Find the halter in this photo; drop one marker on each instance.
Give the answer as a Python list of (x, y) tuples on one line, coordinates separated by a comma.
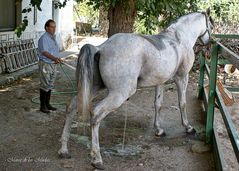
[(207, 29)]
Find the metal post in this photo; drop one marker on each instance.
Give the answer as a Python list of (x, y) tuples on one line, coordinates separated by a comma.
[(211, 94), (201, 79)]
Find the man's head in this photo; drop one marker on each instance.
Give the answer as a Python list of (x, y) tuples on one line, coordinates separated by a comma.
[(50, 26)]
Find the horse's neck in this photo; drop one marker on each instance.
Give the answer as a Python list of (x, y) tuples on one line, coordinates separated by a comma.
[(190, 31)]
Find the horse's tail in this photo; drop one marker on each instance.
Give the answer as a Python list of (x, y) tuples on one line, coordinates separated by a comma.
[(84, 79)]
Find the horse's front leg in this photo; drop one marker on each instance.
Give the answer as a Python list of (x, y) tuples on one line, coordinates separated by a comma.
[(182, 82), (71, 111), (157, 104)]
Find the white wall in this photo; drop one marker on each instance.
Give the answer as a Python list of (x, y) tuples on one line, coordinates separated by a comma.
[(44, 15), (63, 18)]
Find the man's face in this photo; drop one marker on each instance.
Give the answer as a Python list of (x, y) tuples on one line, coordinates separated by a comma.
[(52, 28)]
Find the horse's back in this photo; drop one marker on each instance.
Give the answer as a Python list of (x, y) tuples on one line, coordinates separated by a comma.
[(146, 60)]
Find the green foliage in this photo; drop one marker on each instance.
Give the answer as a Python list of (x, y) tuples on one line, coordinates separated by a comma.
[(88, 11), (149, 11), (36, 3), (225, 11), (59, 5), (97, 3), (139, 27), (156, 13)]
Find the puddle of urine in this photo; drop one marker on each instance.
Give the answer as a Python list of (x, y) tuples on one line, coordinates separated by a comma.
[(127, 150)]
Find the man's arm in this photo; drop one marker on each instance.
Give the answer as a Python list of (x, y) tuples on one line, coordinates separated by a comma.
[(48, 55)]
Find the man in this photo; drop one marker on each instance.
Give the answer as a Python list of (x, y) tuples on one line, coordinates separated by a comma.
[(48, 60)]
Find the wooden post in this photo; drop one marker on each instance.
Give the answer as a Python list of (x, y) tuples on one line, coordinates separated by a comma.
[(211, 94)]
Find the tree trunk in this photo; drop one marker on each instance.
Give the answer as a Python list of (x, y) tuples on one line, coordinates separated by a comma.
[(122, 17), (103, 21)]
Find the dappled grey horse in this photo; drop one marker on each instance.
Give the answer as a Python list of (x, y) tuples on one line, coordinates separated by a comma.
[(128, 61)]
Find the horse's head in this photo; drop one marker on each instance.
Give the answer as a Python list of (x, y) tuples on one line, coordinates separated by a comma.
[(209, 24)]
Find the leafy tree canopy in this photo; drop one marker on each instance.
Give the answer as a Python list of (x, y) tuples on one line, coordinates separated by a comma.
[(153, 13), (148, 11), (91, 14), (225, 11)]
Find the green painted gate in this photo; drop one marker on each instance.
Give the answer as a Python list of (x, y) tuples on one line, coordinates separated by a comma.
[(213, 95)]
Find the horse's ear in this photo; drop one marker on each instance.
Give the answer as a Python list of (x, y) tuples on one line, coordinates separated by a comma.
[(208, 11), (212, 21)]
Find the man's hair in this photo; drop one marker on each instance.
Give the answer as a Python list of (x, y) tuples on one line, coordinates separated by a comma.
[(47, 24)]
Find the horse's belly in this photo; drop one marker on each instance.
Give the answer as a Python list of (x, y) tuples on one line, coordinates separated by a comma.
[(150, 82), (156, 72), (154, 78)]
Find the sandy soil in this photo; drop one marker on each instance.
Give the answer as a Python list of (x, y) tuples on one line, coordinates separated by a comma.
[(231, 163)]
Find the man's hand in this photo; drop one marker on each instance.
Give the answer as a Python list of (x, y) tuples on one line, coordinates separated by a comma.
[(53, 58), (58, 60)]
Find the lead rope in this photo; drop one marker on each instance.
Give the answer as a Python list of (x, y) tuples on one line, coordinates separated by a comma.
[(125, 125)]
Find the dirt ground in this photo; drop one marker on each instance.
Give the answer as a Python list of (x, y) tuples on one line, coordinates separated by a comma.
[(231, 163), (29, 140)]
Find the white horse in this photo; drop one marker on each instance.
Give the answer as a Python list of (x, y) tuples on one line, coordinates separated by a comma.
[(127, 61)]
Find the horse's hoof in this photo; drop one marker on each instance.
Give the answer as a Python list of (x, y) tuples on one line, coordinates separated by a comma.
[(191, 131), (162, 134), (64, 155), (98, 165)]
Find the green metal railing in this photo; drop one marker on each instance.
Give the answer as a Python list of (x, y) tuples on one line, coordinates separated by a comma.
[(210, 68)]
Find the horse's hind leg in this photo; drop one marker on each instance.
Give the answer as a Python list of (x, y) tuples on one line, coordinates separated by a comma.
[(157, 104), (71, 111), (182, 82), (114, 100)]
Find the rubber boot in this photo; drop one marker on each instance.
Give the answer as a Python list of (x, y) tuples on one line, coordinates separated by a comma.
[(48, 98), (43, 107)]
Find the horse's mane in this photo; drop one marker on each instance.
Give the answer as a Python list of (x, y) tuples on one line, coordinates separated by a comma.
[(171, 29), (171, 32), (181, 19)]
